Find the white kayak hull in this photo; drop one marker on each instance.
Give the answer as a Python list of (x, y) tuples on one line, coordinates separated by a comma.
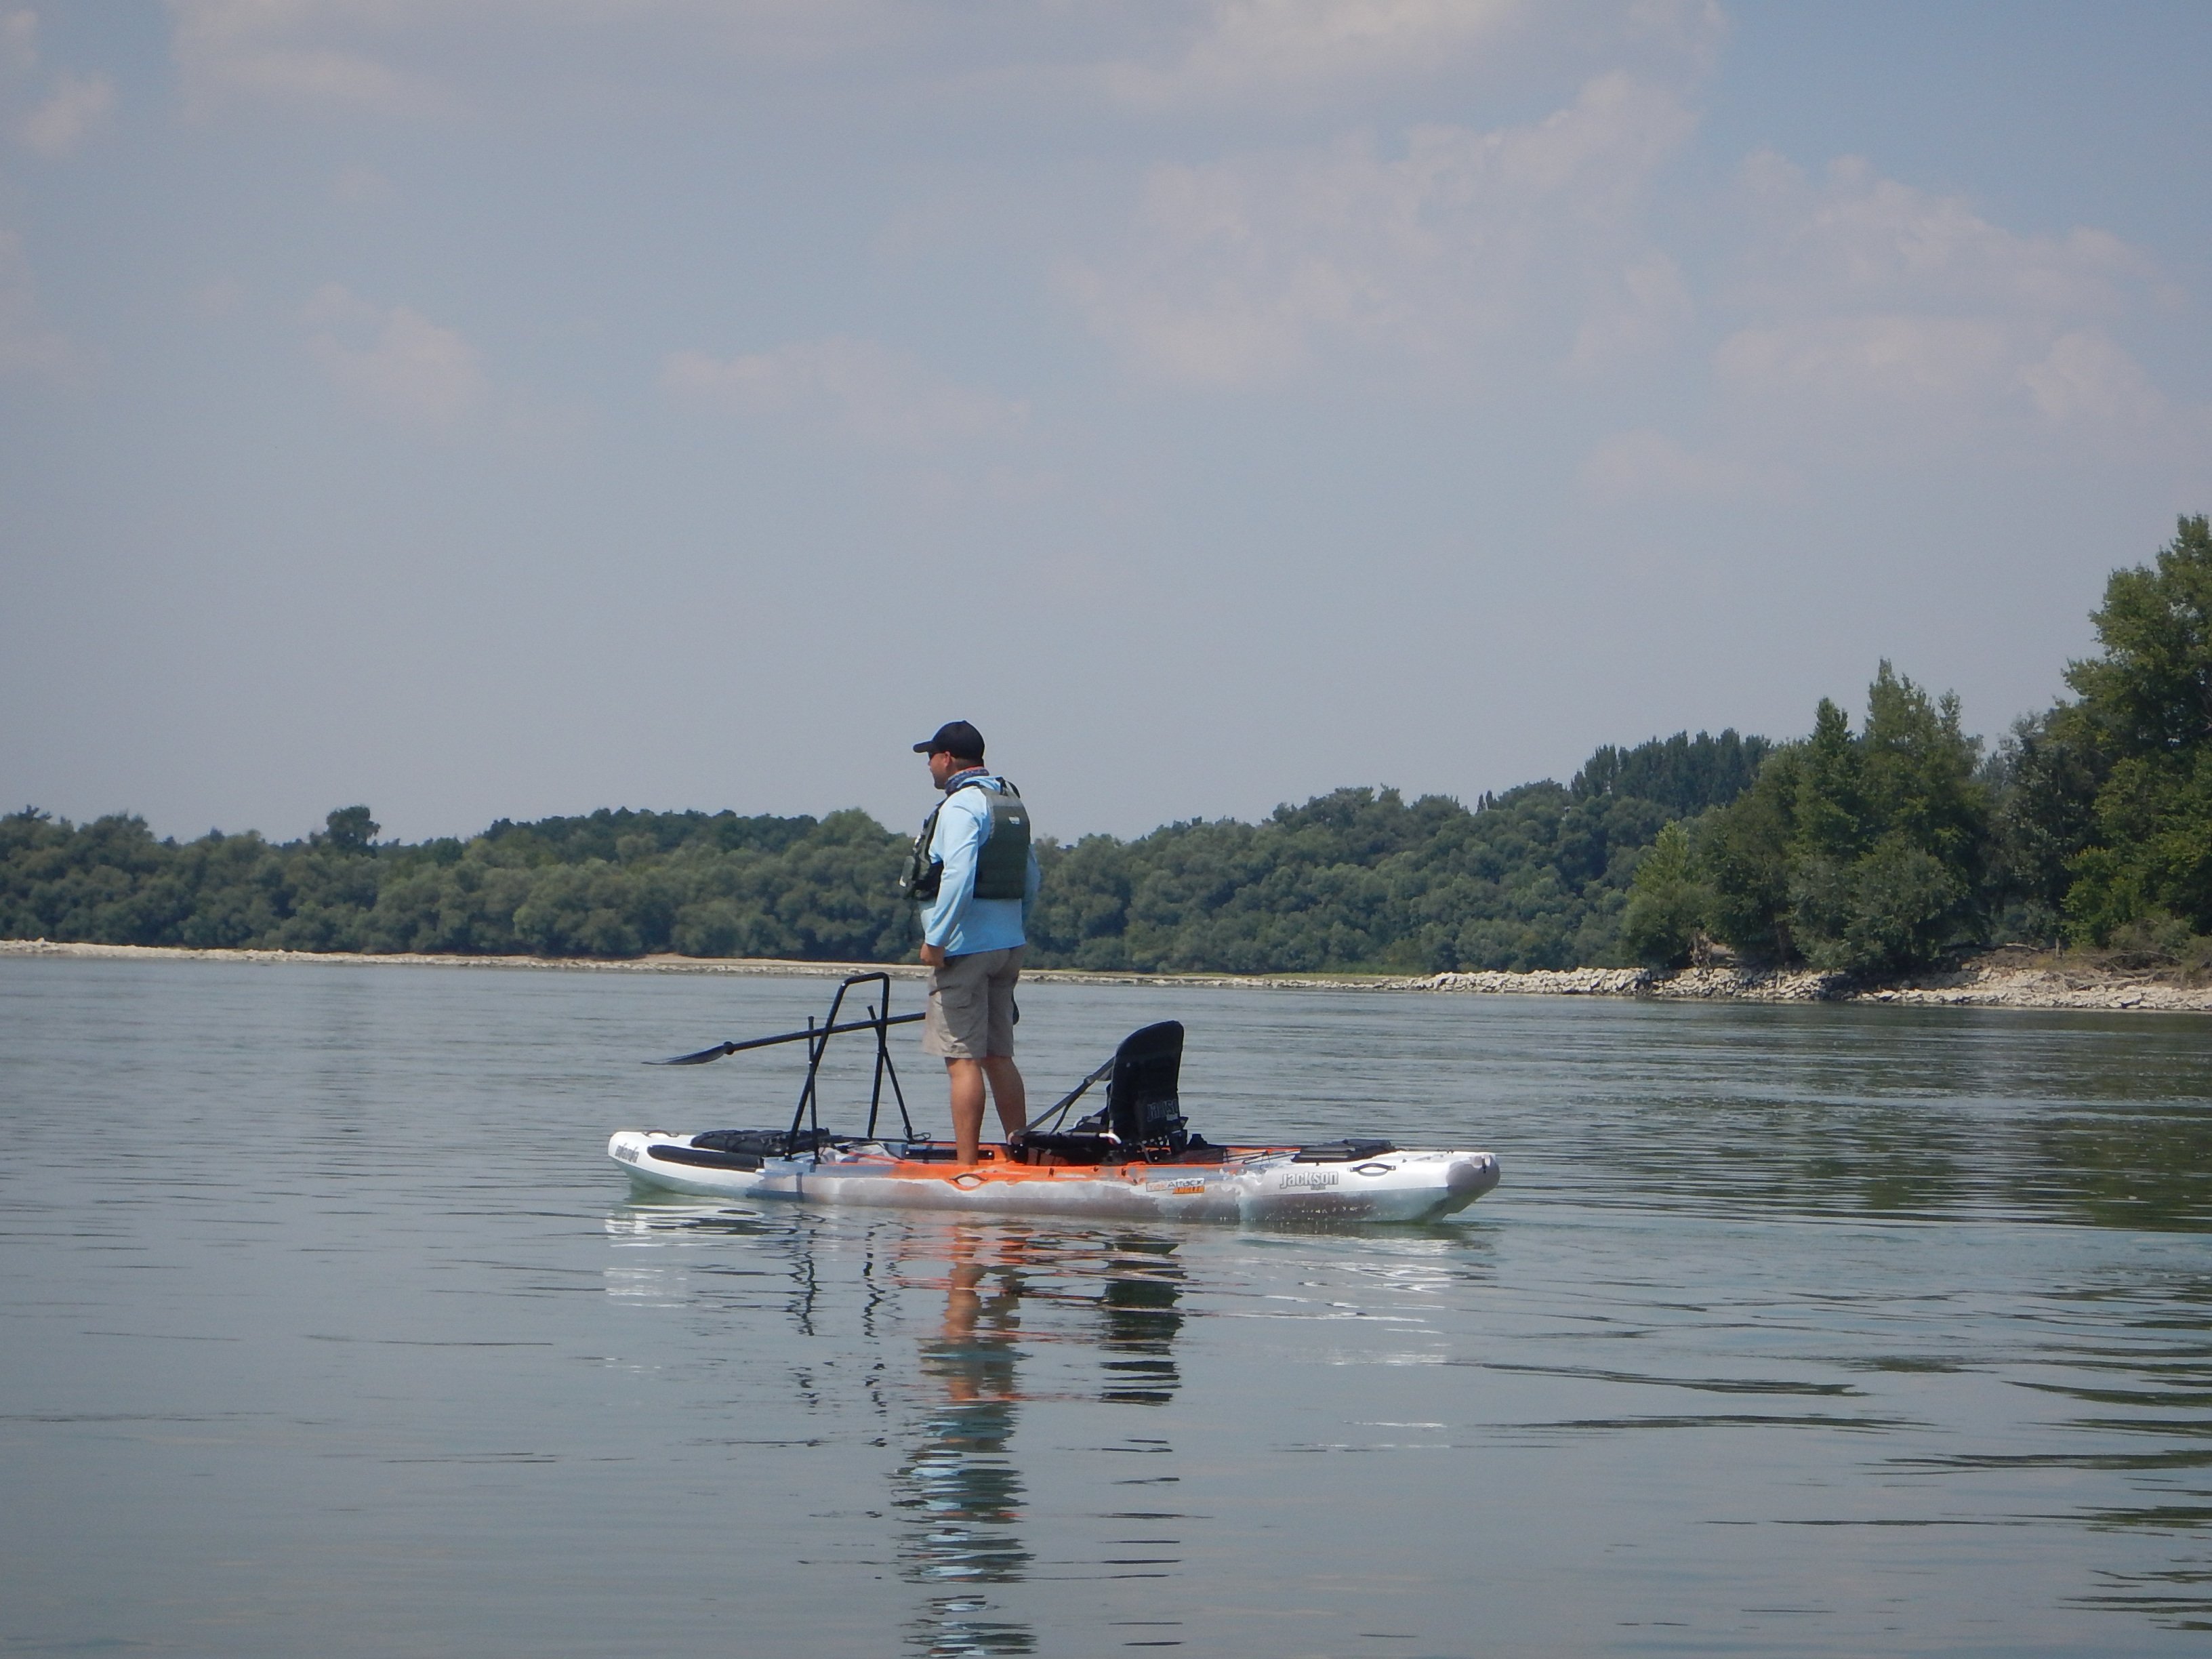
[(1249, 1184)]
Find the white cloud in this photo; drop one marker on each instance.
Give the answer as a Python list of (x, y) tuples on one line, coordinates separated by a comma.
[(401, 366), (1896, 358), (377, 55), (281, 52), (857, 388), (1859, 240), (2085, 377), (29, 345), (72, 110), (73, 105), (1869, 296), (410, 58), (1270, 52), (1243, 268), (1877, 321), (1270, 46)]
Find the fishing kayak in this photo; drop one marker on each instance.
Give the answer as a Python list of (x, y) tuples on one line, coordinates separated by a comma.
[(1371, 1180), (1134, 1159)]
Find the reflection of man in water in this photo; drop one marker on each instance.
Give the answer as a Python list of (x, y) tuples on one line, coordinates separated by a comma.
[(961, 1486), (961, 1479)]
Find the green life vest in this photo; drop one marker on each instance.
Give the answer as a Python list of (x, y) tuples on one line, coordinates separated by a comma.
[(1002, 863)]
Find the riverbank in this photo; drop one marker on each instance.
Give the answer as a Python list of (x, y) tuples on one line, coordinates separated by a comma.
[(2003, 980), (1993, 983)]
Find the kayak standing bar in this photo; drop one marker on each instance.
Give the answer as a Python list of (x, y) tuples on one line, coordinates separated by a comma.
[(817, 1044)]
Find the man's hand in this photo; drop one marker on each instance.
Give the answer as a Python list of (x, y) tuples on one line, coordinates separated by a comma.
[(932, 955)]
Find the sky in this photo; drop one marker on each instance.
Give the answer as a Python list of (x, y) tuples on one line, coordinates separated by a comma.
[(489, 409)]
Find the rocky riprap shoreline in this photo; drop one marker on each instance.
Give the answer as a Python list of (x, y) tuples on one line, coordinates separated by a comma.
[(1976, 986), (1972, 986)]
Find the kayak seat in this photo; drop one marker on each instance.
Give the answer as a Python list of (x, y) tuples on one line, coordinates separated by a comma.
[(1142, 1117), (1142, 1107)]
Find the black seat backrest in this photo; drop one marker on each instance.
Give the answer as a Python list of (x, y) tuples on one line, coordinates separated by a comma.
[(1141, 1102)]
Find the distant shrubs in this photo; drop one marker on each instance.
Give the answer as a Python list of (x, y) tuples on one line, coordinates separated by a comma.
[(615, 883), (1535, 878)]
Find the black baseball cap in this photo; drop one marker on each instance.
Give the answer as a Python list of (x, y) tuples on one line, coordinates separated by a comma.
[(957, 739)]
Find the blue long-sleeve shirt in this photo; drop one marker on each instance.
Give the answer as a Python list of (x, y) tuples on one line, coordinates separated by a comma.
[(955, 918)]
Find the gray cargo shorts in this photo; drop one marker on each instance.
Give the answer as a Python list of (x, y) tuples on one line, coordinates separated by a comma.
[(971, 1006)]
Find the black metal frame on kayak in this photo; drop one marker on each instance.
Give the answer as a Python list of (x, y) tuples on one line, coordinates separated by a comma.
[(879, 1021), (1059, 1108), (816, 1038)]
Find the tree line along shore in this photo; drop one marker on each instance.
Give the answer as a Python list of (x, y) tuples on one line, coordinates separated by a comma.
[(1894, 846)]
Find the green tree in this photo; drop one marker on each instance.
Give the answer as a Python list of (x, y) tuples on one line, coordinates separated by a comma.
[(1744, 854), (2152, 689), (1830, 809), (348, 829), (2047, 774), (1857, 851), (2148, 700), (1669, 902), (1919, 774)]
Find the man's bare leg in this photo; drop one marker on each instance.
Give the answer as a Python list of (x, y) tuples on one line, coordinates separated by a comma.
[(966, 1077), (1013, 1100)]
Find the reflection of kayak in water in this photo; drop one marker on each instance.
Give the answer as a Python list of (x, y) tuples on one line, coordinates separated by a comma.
[(1134, 1158)]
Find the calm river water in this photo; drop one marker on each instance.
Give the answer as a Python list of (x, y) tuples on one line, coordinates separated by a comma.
[(330, 1331)]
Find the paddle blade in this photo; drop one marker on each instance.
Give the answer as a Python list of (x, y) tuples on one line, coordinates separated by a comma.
[(699, 1059)]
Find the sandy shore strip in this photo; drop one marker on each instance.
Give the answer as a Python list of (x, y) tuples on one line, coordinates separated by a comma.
[(772, 967), (1975, 985)]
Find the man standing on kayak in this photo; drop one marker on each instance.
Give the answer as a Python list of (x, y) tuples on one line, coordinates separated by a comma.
[(975, 877)]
